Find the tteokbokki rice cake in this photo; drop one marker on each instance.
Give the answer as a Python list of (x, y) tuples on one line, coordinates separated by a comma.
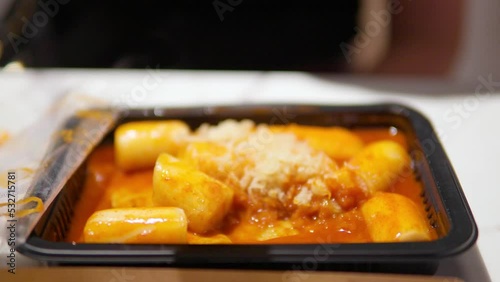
[(238, 182)]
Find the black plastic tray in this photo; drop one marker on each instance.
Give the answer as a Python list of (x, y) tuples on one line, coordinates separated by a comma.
[(445, 203)]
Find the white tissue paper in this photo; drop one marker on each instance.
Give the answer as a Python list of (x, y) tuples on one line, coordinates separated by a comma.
[(43, 156)]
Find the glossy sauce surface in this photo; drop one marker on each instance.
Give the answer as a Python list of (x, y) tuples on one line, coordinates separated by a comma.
[(247, 220)]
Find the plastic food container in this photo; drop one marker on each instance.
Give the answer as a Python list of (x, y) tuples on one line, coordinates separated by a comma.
[(445, 204)]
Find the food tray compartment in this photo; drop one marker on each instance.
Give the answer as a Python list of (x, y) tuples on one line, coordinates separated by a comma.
[(445, 204)]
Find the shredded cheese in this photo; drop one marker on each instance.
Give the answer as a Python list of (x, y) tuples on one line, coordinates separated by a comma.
[(266, 163)]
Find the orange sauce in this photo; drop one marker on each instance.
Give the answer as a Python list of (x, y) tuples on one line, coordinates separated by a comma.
[(246, 220)]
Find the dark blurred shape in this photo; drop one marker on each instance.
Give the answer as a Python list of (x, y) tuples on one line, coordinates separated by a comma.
[(184, 34)]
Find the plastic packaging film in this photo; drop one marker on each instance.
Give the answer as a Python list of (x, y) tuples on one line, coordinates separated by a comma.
[(35, 164)]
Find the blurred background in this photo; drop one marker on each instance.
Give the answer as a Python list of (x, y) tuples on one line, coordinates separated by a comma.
[(450, 39), (455, 39)]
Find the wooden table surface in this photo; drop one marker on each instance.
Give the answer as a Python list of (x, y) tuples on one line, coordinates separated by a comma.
[(123, 274)]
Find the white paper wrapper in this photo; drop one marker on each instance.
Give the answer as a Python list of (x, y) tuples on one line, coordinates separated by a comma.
[(45, 155)]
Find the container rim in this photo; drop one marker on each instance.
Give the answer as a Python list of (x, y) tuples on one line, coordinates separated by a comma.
[(462, 234)]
